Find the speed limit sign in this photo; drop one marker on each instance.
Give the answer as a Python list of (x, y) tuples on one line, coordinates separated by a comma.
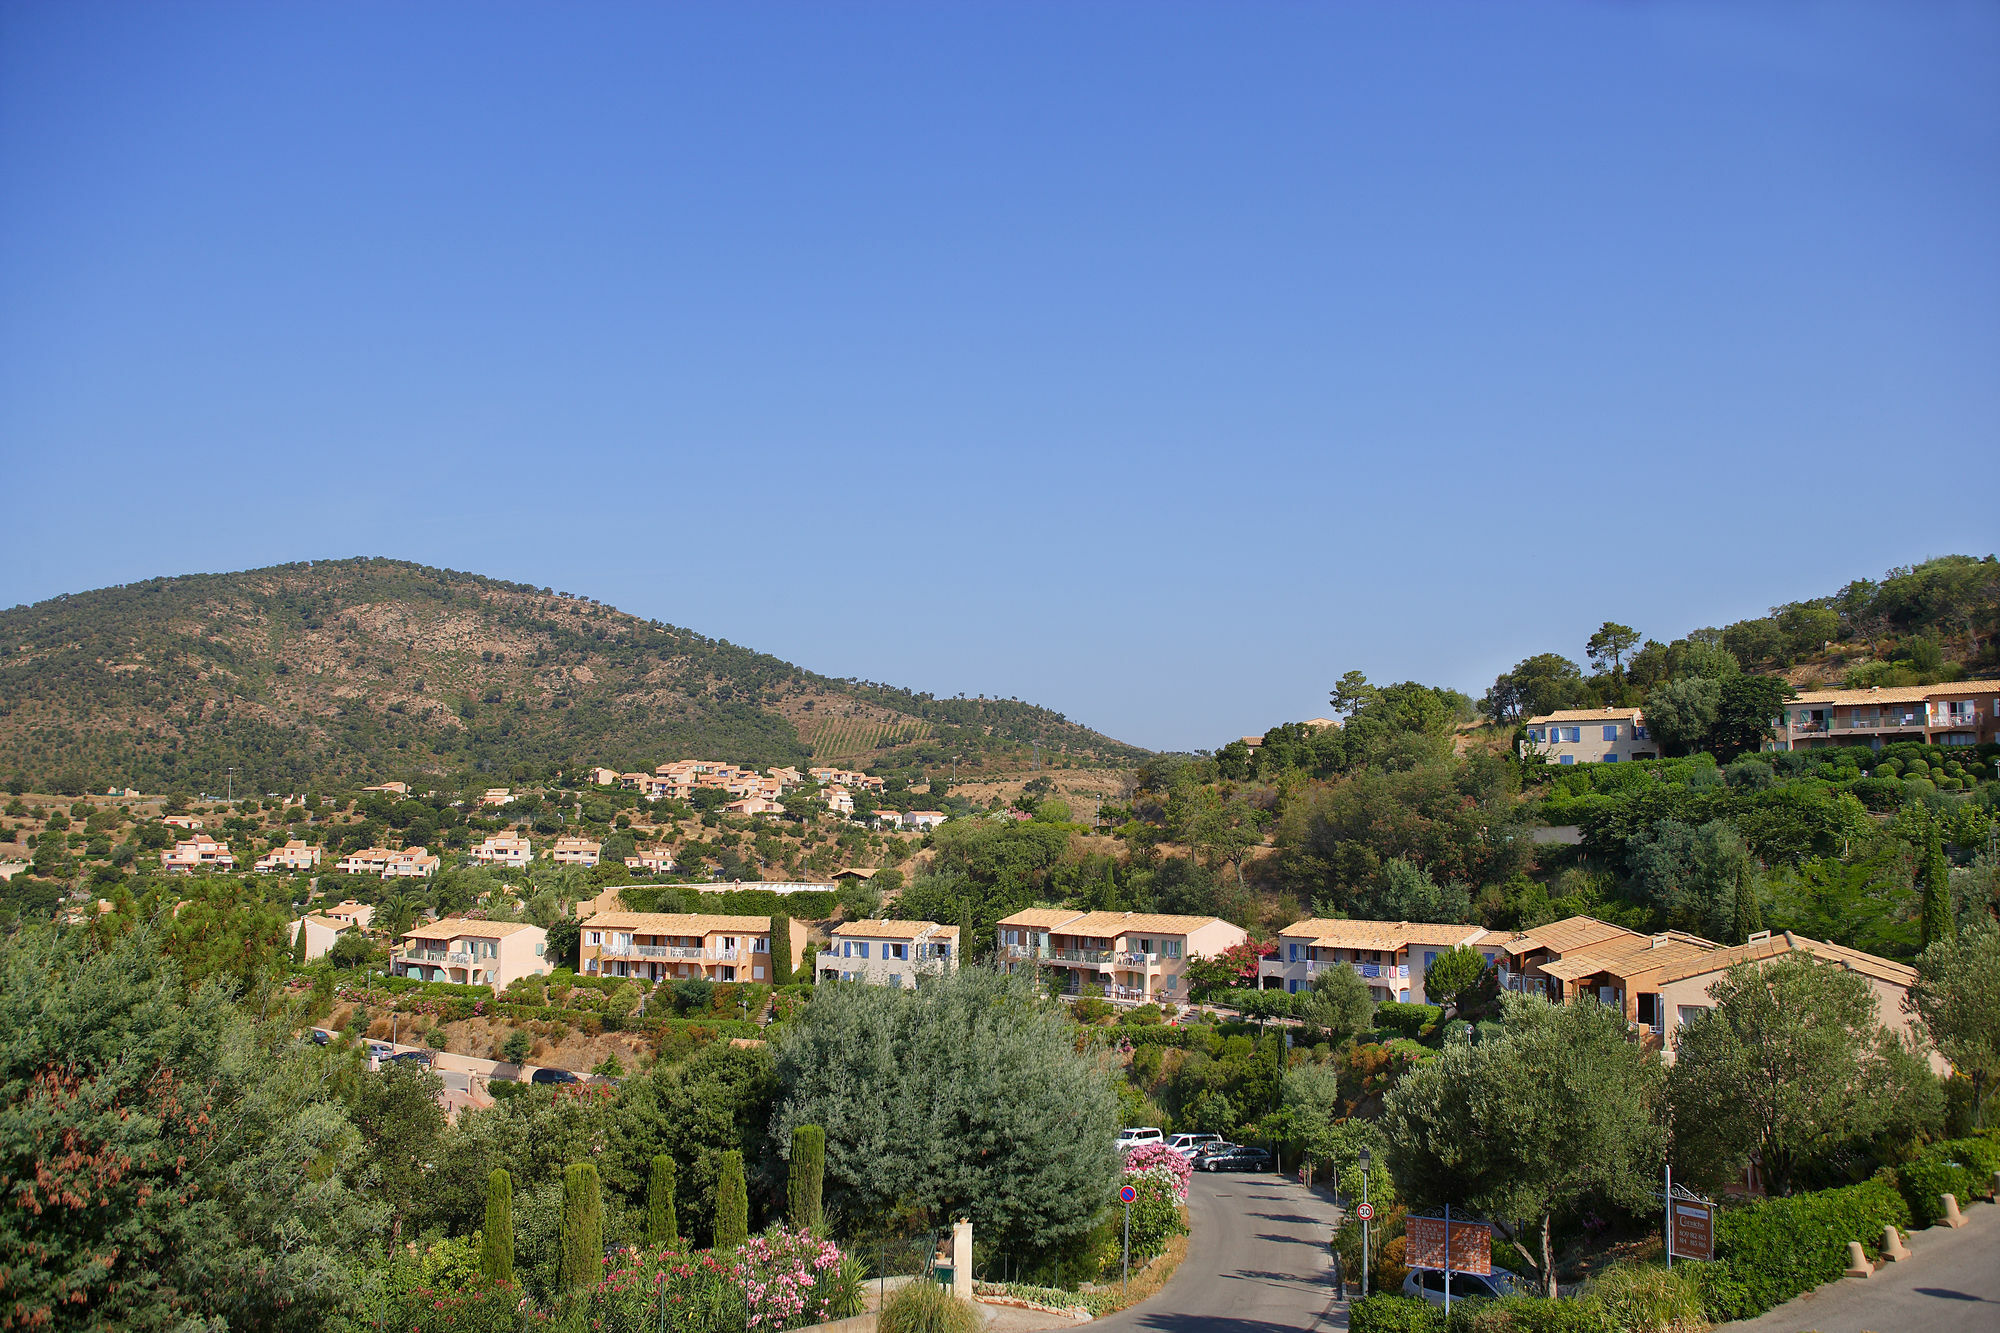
[(1364, 1211)]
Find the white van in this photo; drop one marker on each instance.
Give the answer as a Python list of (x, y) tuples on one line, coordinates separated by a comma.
[(1128, 1139), (1191, 1145)]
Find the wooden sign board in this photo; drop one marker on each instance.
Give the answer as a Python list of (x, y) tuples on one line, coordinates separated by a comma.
[(1471, 1245), (1694, 1230)]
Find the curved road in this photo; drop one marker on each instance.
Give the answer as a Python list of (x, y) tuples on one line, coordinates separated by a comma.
[(1257, 1263)]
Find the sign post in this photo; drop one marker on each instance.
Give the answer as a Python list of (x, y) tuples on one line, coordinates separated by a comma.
[(1448, 1247), (1125, 1196), (1365, 1212), (1690, 1223)]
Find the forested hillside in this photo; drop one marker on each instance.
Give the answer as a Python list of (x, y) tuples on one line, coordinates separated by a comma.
[(380, 668)]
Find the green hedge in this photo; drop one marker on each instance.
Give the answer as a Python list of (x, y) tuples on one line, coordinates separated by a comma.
[(405, 985), (1775, 1249), (1962, 1168), (1392, 1313), (1407, 1019)]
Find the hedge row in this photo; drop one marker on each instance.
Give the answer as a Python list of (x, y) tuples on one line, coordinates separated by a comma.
[(1775, 1249), (1391, 1313), (1962, 1168)]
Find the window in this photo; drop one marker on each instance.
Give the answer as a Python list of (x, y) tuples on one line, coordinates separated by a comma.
[(861, 948), (596, 937), (1534, 734), (1566, 759), (1430, 956), (1610, 756), (1173, 983), (1572, 734), (1639, 733), (1611, 731), (895, 951), (1649, 1009), (1292, 986), (757, 973), (944, 951), (1145, 946), (896, 979), (1689, 1011), (1295, 953), (762, 944), (1173, 948)]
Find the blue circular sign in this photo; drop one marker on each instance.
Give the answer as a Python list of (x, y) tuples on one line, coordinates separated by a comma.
[(1128, 1194)]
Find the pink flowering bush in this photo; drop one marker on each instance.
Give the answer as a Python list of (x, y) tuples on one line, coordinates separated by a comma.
[(773, 1282), (1162, 1162), (787, 1278)]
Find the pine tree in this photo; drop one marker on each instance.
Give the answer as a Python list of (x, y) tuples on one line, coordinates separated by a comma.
[(1748, 918), (732, 1204), (781, 950), (1937, 919), (582, 1228), (805, 1182), (496, 1243), (661, 1228)]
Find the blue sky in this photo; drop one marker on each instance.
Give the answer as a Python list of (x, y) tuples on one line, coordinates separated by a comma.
[(1156, 363)]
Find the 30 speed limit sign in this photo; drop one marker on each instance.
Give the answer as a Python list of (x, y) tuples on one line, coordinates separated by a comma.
[(1364, 1211)]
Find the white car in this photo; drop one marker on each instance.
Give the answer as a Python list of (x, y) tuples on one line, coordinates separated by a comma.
[(1128, 1139), (1191, 1146), (1429, 1284)]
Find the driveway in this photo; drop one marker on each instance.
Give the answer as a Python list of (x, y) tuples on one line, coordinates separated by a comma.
[(1257, 1262), (1950, 1282)]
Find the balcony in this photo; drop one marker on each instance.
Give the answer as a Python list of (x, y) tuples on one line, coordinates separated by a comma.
[(1018, 952), (1134, 959), (1886, 722), (1971, 717), (1092, 957), (445, 956), (683, 952)]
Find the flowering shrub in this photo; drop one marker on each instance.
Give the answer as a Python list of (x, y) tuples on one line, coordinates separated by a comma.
[(1156, 1213), (478, 1306), (1170, 1167), (787, 1277)]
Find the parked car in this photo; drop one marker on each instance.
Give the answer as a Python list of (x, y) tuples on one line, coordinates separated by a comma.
[(554, 1076), (1128, 1139), (381, 1050), (1429, 1284), (318, 1036), (1234, 1158), (1191, 1145), (413, 1057)]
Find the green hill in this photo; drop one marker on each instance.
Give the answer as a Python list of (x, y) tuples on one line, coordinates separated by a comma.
[(375, 668)]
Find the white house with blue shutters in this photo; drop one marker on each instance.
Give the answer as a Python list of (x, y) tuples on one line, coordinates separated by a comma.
[(1590, 736)]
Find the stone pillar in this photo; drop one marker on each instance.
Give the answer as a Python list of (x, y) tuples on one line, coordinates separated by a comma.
[(1857, 1261), (1952, 1217), (961, 1259), (1893, 1248)]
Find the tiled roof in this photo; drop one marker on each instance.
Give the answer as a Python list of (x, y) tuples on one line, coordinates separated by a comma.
[(1041, 918), (1773, 946), (675, 923), (1565, 936), (1122, 923), (1898, 694), (449, 926), (894, 930), (1586, 715), (1630, 956), (1336, 933)]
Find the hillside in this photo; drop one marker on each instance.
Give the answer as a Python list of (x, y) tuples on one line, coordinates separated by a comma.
[(380, 668)]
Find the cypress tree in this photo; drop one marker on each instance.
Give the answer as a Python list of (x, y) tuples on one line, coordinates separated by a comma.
[(496, 1243), (732, 1204), (781, 950), (299, 944), (805, 1182), (661, 1228), (1748, 918), (1937, 920), (582, 1229)]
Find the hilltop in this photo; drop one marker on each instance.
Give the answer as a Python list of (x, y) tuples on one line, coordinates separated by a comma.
[(376, 668)]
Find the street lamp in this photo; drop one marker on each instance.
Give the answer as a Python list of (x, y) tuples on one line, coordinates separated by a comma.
[(1367, 1211)]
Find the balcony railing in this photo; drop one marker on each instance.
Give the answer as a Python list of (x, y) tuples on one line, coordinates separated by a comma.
[(1133, 958), (445, 956), (1904, 722), (1080, 955), (1017, 952), (1969, 718), (689, 952)]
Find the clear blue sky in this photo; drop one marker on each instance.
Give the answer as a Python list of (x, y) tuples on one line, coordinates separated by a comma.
[(1156, 363)]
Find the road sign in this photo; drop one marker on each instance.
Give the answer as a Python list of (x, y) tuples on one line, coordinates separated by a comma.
[(1127, 1195), (1471, 1248), (1694, 1230), (1364, 1211)]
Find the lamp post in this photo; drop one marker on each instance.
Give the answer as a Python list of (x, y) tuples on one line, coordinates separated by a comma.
[(1367, 1211)]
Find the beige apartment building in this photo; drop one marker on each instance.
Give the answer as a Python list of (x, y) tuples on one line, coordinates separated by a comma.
[(321, 932), (472, 953), (1391, 956), (410, 863), (889, 953), (504, 849), (295, 856), (575, 852), (200, 853), (1961, 714), (674, 946), (1132, 955), (1590, 736), (350, 913)]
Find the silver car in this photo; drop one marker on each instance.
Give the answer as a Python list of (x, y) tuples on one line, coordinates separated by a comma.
[(1429, 1284)]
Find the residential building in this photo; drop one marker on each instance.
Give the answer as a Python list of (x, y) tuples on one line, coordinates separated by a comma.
[(925, 820), (504, 849), (351, 913), (496, 796), (394, 788), (604, 777), (1960, 714), (1132, 955), (410, 863), (472, 953), (321, 932), (839, 800), (844, 777), (661, 946), (889, 953), (1590, 736), (575, 852), (1391, 956), (189, 822), (657, 860), (294, 856), (200, 853), (755, 805)]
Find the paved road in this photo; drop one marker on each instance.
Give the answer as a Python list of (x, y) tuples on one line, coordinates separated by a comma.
[(1950, 1282), (1257, 1263)]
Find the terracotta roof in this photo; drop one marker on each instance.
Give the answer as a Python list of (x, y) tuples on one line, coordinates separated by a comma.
[(675, 923), (1773, 946), (1124, 923), (895, 930), (1632, 956), (1336, 933), (1587, 715), (328, 922), (1565, 936), (1897, 694), (859, 872), (486, 930), (1042, 918)]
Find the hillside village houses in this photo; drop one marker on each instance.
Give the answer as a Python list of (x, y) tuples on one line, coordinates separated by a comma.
[(321, 932), (473, 953), (1132, 955), (295, 855), (661, 946), (350, 913), (1590, 736), (1380, 951), (199, 853), (504, 849), (410, 863), (189, 822), (657, 861), (1961, 714), (889, 953), (575, 852)]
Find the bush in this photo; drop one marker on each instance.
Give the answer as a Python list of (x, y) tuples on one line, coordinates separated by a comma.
[(1538, 1314), (1962, 1168), (1776, 1249), (1395, 1314), (1646, 1297), (926, 1307), (1406, 1019)]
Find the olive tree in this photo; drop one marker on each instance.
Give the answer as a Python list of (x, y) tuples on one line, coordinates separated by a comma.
[(1957, 998)]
